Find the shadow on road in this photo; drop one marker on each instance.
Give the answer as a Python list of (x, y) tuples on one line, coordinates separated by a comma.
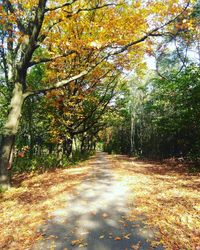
[(94, 217)]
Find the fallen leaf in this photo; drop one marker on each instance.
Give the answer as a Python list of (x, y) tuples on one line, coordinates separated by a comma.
[(117, 238), (104, 215), (82, 245), (76, 242), (127, 236), (84, 233), (51, 236), (135, 247), (120, 221), (93, 213)]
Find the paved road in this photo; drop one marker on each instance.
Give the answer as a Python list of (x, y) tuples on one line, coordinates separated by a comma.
[(94, 217)]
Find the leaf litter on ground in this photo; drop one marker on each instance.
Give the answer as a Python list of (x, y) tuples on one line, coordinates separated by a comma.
[(30, 201), (165, 196)]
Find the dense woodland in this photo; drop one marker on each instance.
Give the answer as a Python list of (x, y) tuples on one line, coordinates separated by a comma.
[(75, 78)]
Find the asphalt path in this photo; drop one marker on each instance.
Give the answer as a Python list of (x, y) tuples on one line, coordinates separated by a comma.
[(94, 217)]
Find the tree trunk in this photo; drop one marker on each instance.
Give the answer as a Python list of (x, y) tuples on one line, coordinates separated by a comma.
[(83, 145), (6, 160), (59, 154), (8, 138), (30, 129), (132, 135), (68, 147)]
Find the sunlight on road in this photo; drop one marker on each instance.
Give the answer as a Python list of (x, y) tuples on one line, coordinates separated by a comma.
[(95, 216)]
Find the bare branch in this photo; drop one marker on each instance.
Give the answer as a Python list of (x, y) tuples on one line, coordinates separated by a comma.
[(66, 81), (103, 108)]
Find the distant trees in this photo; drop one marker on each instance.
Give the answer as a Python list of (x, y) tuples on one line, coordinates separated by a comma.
[(174, 106), (166, 120)]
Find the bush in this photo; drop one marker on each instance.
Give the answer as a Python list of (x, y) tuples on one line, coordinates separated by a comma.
[(41, 163)]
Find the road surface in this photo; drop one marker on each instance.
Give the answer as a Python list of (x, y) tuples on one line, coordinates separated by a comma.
[(94, 218)]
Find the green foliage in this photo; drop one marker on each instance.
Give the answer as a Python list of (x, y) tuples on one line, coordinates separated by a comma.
[(173, 109), (35, 76), (47, 162), (2, 190), (161, 117), (117, 136), (77, 156), (40, 164)]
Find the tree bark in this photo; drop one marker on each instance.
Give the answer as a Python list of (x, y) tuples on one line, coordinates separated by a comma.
[(59, 154), (132, 135), (68, 147), (6, 160), (8, 137)]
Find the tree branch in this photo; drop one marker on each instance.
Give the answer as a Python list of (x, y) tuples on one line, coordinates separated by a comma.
[(150, 33), (44, 60), (95, 121), (121, 50), (30, 46), (70, 14), (12, 10), (60, 6), (42, 37), (92, 112), (79, 10), (56, 85), (64, 82)]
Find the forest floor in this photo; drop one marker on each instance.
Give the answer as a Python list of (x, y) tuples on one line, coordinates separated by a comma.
[(105, 203), (167, 195)]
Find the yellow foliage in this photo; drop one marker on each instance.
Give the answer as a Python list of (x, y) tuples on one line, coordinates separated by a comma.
[(87, 33)]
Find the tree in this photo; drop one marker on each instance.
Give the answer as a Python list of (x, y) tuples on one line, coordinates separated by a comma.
[(52, 33), (175, 104)]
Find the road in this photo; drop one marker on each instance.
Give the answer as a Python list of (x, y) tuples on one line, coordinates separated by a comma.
[(94, 217)]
